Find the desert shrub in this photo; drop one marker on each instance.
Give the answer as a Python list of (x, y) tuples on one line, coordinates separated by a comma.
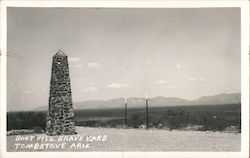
[(213, 118), (26, 120), (115, 122), (136, 120), (175, 119), (38, 129), (100, 123), (170, 119), (213, 123), (87, 123)]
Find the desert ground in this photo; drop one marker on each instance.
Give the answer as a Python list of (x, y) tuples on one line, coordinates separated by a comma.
[(113, 139)]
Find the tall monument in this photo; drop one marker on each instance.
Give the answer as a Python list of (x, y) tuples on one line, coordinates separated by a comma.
[(60, 116)]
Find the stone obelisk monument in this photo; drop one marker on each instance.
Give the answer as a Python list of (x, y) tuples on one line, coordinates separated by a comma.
[(60, 116)]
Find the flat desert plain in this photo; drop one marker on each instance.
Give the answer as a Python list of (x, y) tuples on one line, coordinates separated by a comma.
[(113, 139)]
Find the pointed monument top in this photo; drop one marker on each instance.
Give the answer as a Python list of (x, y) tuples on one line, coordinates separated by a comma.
[(60, 53)]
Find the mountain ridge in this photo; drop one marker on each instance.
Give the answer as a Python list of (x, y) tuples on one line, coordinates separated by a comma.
[(159, 101)]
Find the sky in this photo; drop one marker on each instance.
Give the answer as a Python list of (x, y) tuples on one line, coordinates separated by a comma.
[(113, 53)]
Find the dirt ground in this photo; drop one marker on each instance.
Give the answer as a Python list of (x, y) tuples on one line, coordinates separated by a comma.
[(111, 139)]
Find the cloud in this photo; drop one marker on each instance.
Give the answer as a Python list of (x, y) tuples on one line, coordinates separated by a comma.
[(43, 89), (95, 65), (202, 80), (117, 85), (75, 62), (161, 81), (15, 87), (29, 91), (147, 62), (90, 89), (191, 80), (74, 59), (172, 87), (179, 66), (77, 65)]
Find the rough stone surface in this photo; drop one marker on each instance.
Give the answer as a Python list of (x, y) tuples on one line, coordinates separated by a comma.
[(60, 116)]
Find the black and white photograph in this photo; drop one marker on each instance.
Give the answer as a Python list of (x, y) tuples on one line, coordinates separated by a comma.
[(124, 79)]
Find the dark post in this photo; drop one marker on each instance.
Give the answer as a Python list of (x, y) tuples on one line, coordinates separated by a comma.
[(147, 121), (126, 121)]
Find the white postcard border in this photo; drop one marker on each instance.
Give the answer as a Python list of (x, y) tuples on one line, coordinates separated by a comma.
[(243, 4)]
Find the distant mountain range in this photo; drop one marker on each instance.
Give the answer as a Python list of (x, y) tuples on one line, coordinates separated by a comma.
[(233, 98)]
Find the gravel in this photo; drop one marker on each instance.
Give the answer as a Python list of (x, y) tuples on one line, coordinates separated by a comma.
[(113, 139)]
